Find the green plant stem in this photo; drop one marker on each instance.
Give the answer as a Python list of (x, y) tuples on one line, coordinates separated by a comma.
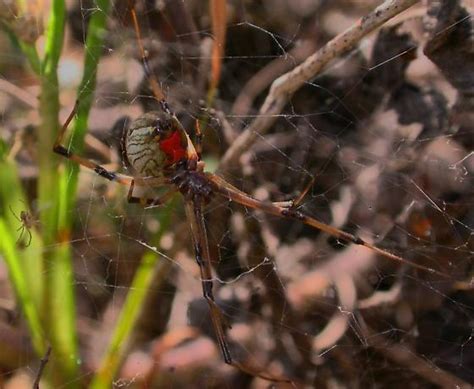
[(32, 55), (60, 272), (49, 110), (94, 46), (58, 310), (24, 264), (29, 50), (21, 287)]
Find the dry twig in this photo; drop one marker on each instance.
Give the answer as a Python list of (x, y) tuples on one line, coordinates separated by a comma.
[(284, 87), (43, 363)]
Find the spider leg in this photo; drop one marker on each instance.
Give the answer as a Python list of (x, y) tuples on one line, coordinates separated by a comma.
[(228, 191), (14, 214), (297, 201), (155, 86), (100, 170), (193, 156), (22, 230), (30, 236), (198, 139), (153, 202), (157, 201), (201, 249)]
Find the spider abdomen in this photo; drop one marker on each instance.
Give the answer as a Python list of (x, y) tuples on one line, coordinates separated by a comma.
[(152, 143), (143, 155)]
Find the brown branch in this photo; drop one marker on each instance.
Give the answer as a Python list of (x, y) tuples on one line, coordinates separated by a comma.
[(43, 363), (284, 87)]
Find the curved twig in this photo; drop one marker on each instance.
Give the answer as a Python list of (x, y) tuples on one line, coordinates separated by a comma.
[(284, 87)]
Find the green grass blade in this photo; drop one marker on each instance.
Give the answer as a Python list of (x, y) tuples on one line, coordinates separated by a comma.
[(150, 273), (12, 203), (28, 49), (20, 284), (94, 47), (59, 307), (60, 273), (49, 111), (24, 263)]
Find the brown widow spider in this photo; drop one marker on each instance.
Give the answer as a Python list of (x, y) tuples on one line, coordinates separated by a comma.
[(159, 152)]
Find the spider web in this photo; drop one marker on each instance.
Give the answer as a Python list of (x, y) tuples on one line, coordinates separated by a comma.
[(384, 134)]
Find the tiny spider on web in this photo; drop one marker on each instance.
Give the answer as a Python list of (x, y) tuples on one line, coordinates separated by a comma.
[(159, 153), (27, 223)]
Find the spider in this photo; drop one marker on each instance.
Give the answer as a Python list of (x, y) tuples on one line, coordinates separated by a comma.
[(27, 222), (159, 153)]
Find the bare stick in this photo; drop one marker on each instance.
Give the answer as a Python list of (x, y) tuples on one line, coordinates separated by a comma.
[(43, 363), (284, 87)]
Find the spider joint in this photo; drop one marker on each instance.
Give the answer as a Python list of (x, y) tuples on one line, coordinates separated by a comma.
[(61, 150), (165, 107), (291, 212), (207, 290), (105, 173)]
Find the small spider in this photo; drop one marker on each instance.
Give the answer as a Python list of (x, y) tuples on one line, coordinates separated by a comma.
[(27, 223)]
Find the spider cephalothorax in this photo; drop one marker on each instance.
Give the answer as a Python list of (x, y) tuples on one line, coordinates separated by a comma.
[(193, 185), (154, 142)]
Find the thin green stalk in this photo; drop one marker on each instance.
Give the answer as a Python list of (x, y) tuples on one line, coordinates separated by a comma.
[(60, 273), (12, 203), (149, 273), (23, 262), (49, 110), (32, 55), (28, 49), (13, 22), (59, 310), (94, 46), (22, 288), (62, 276)]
